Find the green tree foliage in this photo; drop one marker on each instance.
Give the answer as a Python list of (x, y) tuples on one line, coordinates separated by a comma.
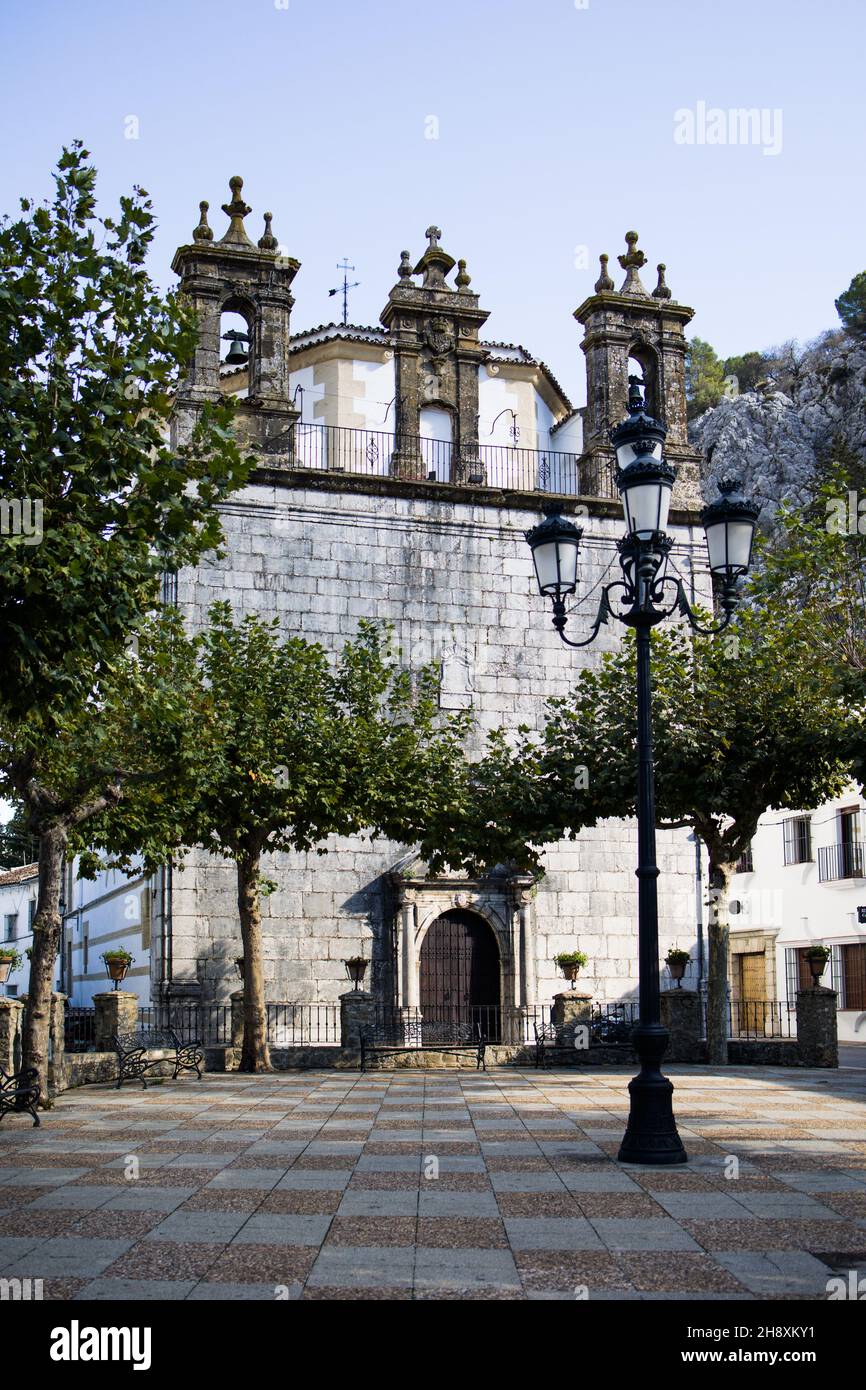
[(744, 721), (17, 845), (286, 746), (748, 369), (114, 759), (89, 353), (94, 503), (851, 306), (705, 377)]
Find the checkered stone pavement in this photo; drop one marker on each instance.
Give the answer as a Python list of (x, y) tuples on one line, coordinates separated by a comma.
[(432, 1185)]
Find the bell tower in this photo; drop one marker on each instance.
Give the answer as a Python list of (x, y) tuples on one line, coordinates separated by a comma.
[(434, 335), (234, 276), (648, 328)]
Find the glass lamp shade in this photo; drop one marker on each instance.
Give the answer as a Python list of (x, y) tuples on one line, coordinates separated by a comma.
[(554, 544), (729, 525), (645, 487)]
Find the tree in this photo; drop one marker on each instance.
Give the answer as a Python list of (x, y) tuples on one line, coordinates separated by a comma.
[(705, 377), (743, 721), (851, 306), (749, 368), (286, 746), (95, 506), (114, 758)]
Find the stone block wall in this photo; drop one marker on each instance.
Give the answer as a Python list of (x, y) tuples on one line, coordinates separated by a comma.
[(450, 575)]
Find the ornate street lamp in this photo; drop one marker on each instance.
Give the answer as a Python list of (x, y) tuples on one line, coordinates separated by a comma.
[(645, 483), (356, 969)]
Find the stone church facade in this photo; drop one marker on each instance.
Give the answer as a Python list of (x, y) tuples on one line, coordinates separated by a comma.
[(399, 466)]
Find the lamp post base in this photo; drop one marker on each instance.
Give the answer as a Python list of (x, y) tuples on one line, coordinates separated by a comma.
[(651, 1135)]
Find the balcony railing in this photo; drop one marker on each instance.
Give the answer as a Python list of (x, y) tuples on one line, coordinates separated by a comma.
[(840, 861), (373, 453)]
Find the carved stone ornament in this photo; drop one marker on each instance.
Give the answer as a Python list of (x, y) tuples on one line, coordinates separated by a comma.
[(438, 336)]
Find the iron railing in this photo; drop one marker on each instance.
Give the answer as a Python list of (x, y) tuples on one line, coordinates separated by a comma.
[(79, 1028), (210, 1024), (447, 1023), (844, 860), (303, 1025), (762, 1018), (375, 453)]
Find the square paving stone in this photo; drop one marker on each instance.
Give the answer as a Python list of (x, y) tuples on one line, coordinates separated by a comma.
[(776, 1271), (706, 1206), (434, 1202), (437, 1268), (66, 1256), (379, 1203), (137, 1290), (281, 1228), (642, 1233), (552, 1233), (325, 1179), (204, 1226), (218, 1291), (73, 1199), (259, 1178), (353, 1266), (527, 1182), (148, 1198)]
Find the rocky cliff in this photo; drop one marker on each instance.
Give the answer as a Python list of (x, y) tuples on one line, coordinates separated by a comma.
[(811, 405)]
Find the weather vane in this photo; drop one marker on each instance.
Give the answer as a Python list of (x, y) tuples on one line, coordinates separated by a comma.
[(345, 267)]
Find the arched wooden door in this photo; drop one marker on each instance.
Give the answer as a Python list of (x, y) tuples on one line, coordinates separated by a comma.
[(459, 972)]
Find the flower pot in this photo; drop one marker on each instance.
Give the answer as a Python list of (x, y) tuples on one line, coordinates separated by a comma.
[(117, 970), (817, 965), (678, 970), (5, 968), (570, 972)]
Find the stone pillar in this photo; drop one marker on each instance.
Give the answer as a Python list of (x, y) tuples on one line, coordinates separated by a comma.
[(116, 1012), (681, 1015), (57, 1050), (357, 1012), (237, 1003), (817, 1036), (11, 1019), (572, 1007), (408, 961)]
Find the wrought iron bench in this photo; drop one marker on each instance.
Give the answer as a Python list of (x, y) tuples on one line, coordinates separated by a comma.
[(418, 1036), (134, 1063), (559, 1040), (20, 1090)]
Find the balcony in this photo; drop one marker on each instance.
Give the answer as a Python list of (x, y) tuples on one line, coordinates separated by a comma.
[(371, 453), (840, 861)]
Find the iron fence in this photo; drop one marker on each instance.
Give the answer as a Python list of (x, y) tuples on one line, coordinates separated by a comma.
[(762, 1018), (303, 1025), (376, 453), (79, 1028), (209, 1024)]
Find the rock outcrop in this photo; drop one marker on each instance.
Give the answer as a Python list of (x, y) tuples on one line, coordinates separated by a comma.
[(775, 437)]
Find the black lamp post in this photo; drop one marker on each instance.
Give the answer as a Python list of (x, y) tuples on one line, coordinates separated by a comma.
[(645, 482)]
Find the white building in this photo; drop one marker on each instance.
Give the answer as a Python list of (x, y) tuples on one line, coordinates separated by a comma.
[(17, 910), (109, 913), (804, 883)]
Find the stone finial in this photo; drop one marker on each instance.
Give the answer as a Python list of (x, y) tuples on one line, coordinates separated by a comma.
[(632, 261), (202, 232), (461, 279), (604, 283), (435, 264), (268, 242), (661, 290), (236, 210), (404, 269)]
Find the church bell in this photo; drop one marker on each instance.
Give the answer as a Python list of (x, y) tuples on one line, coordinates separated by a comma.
[(237, 355)]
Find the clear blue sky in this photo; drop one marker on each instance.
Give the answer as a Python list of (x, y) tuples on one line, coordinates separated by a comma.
[(556, 130)]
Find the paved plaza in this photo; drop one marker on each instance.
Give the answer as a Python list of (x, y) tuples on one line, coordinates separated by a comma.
[(430, 1185)]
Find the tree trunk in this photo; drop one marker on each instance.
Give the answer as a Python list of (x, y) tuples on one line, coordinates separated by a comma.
[(717, 965), (255, 1055), (46, 940)]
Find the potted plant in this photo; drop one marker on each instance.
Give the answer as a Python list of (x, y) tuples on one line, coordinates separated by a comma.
[(117, 964), (570, 963), (10, 960), (817, 956), (676, 962), (356, 969)]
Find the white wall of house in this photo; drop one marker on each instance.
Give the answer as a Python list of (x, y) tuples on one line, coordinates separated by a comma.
[(17, 909), (796, 905), (111, 912)]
